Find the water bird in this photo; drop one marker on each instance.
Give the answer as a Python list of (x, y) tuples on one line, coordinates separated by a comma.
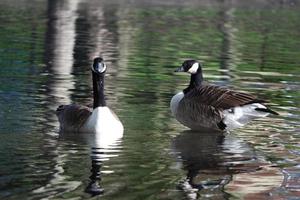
[(99, 119), (202, 105)]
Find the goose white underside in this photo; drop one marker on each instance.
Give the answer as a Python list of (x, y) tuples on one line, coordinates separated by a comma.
[(233, 118), (105, 125), (239, 116)]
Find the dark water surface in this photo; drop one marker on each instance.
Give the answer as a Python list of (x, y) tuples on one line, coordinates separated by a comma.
[(46, 48)]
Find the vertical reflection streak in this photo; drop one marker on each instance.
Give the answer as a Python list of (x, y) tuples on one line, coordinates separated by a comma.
[(229, 56), (59, 45)]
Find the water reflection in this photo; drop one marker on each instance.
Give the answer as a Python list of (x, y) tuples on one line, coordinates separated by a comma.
[(58, 181), (212, 161), (199, 153), (46, 51), (60, 43), (103, 147)]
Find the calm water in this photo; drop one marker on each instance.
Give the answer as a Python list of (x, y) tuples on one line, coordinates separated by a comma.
[(46, 48)]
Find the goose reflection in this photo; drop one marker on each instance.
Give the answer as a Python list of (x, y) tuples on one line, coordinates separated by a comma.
[(210, 160), (103, 148)]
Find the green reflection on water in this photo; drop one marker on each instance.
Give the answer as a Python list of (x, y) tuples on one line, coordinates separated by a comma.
[(235, 45)]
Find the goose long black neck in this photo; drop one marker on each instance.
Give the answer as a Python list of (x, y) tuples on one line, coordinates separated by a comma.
[(98, 90), (196, 80)]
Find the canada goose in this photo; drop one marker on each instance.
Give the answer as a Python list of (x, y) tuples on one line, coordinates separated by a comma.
[(77, 118), (201, 105)]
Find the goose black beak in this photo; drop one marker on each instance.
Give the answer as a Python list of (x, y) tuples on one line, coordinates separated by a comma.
[(180, 69)]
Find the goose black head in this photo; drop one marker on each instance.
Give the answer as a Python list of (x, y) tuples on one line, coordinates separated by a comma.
[(190, 66), (99, 66)]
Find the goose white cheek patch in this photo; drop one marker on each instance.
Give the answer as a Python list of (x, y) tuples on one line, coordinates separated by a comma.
[(194, 68)]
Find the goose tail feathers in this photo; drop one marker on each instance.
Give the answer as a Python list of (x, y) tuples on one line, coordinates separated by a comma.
[(267, 110)]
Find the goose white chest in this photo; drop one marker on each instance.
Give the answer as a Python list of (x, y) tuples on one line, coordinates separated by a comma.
[(175, 101), (103, 120)]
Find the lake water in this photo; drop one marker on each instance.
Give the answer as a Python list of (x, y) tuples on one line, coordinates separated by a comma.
[(46, 49)]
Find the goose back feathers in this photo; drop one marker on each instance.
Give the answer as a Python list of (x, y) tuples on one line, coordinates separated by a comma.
[(220, 97)]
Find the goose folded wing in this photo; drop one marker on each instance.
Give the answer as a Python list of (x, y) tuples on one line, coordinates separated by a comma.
[(220, 97), (74, 115), (193, 112)]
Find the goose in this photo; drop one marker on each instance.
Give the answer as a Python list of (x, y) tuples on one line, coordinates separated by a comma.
[(202, 105), (100, 118)]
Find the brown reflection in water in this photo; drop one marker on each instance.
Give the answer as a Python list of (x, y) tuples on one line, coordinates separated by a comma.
[(257, 184), (217, 165), (291, 182)]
